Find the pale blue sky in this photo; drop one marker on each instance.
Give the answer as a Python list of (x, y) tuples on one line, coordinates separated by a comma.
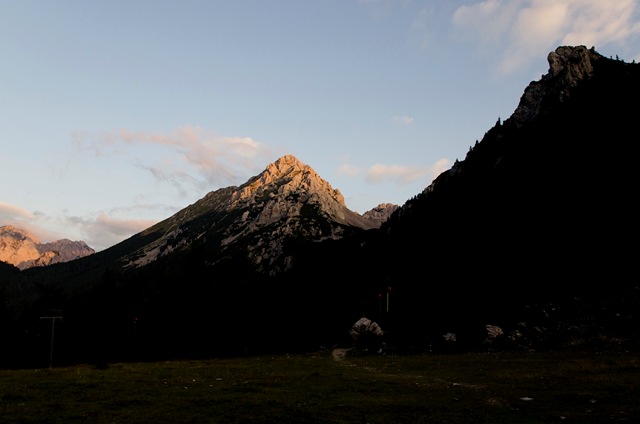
[(117, 114)]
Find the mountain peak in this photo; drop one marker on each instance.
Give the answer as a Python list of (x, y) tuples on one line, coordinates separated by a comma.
[(568, 67), (285, 164), (571, 63), (285, 201), (286, 175), (17, 233), (19, 248)]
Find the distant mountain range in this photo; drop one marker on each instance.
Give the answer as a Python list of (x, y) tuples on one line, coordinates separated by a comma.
[(22, 250), (283, 198), (526, 243)]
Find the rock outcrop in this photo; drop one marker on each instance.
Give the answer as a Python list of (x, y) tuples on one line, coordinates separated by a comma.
[(568, 66), (365, 331), (380, 213)]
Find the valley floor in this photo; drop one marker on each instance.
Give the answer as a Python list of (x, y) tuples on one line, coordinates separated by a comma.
[(333, 386)]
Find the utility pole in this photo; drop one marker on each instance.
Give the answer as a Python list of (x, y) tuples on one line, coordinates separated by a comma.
[(388, 293), (53, 319)]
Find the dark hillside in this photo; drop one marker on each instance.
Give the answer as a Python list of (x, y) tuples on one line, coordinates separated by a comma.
[(539, 212)]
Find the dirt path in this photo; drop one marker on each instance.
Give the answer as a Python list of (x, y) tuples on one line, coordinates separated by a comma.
[(339, 354)]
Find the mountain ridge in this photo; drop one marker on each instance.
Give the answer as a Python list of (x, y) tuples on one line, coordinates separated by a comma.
[(286, 176), (288, 194)]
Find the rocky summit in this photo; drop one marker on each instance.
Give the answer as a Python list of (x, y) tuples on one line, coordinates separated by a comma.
[(287, 201), (568, 66), (22, 250)]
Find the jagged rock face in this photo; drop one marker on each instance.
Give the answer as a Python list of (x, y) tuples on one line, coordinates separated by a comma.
[(287, 200), (283, 190), (17, 247), (380, 213), (568, 65), (66, 250), (572, 64), (22, 250)]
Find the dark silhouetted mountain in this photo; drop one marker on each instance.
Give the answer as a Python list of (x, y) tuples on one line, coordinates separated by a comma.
[(538, 219)]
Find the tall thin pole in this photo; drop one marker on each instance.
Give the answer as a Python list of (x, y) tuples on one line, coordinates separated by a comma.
[(53, 328), (388, 292)]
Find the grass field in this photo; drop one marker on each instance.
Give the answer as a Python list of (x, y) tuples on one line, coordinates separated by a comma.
[(333, 386)]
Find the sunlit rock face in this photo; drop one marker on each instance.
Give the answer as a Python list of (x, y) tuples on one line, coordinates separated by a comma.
[(283, 190), (380, 213), (17, 247), (23, 250), (288, 200)]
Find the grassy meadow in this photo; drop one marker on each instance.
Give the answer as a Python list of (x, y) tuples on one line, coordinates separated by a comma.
[(333, 386)]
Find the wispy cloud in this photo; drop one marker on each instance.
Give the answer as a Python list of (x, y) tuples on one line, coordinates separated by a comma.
[(99, 230), (23, 219), (420, 31), (34, 223), (402, 174), (187, 160), (104, 230), (183, 158), (395, 174), (348, 169), (403, 120), (12, 212), (534, 27)]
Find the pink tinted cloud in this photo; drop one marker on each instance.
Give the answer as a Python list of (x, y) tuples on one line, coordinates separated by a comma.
[(402, 175), (27, 221), (530, 26), (403, 120), (104, 230), (187, 155), (348, 169), (120, 227), (12, 212)]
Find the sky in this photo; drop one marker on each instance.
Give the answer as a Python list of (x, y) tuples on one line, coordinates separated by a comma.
[(115, 115)]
